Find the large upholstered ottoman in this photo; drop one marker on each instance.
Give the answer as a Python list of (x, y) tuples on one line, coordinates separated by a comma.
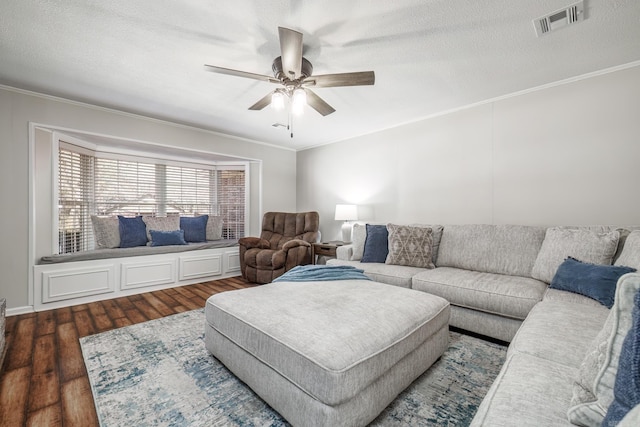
[(327, 353)]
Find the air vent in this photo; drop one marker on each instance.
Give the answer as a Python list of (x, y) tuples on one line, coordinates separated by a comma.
[(560, 18)]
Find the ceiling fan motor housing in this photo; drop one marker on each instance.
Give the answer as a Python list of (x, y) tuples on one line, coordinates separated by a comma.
[(305, 70)]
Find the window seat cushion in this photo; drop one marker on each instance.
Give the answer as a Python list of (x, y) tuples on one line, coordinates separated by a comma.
[(135, 251)]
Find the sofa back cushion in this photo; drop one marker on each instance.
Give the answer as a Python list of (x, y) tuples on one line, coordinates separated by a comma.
[(580, 243), (500, 249)]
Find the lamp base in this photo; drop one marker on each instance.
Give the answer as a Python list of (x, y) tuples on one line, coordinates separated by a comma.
[(346, 231)]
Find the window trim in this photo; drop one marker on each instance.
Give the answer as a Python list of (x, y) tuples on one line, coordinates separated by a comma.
[(126, 154)]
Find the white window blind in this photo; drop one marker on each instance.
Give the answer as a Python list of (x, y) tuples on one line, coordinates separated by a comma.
[(91, 185)]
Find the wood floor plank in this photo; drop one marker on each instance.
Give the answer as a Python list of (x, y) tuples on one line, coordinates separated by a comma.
[(45, 389), (77, 403), (21, 349), (100, 318), (14, 390), (70, 360), (64, 315), (84, 322), (44, 380), (113, 310), (157, 303), (46, 321), (51, 416)]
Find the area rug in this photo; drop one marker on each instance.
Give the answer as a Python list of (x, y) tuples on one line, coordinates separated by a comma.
[(158, 373)]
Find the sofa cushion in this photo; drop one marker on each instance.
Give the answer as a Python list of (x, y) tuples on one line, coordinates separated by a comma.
[(583, 244), (529, 392), (512, 296), (593, 387), (410, 246), (133, 232), (569, 297), (161, 223), (626, 391), (106, 231), (549, 331), (376, 245), (630, 254), (396, 275), (501, 249), (591, 280)]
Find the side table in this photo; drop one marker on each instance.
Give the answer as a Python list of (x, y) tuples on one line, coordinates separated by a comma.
[(325, 249)]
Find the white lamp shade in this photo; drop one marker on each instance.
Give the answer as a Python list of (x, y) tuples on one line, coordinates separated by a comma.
[(346, 212)]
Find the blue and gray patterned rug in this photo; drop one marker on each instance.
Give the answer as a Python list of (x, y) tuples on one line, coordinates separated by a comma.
[(159, 373)]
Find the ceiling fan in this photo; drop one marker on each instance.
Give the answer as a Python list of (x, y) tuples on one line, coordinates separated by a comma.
[(294, 73)]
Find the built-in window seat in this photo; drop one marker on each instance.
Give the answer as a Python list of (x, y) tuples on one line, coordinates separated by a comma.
[(88, 276)]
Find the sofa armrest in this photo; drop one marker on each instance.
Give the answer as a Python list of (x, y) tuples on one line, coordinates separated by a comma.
[(254, 242), (344, 252)]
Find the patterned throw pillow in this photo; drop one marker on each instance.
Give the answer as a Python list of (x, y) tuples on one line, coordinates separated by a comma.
[(593, 388), (585, 245), (214, 228), (411, 246), (106, 231), (161, 223)]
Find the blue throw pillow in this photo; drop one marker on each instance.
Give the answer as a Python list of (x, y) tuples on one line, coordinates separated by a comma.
[(164, 238), (376, 244), (591, 280), (195, 228), (133, 231), (626, 390)]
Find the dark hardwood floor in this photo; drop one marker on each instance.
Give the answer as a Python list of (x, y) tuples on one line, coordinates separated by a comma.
[(43, 380)]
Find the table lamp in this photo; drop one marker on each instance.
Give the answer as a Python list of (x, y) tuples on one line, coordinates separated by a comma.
[(346, 213)]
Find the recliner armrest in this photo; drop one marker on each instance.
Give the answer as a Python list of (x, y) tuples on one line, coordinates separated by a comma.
[(294, 244), (254, 242)]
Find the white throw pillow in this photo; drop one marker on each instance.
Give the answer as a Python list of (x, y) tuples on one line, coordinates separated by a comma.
[(358, 236), (593, 388), (582, 244)]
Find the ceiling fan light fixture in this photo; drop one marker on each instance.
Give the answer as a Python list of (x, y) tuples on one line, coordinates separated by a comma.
[(277, 101), (298, 101)]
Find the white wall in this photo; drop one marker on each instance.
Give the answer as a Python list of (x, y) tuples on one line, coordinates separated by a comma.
[(568, 154), (18, 109)]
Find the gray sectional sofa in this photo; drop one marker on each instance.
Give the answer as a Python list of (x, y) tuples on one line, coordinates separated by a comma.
[(496, 278)]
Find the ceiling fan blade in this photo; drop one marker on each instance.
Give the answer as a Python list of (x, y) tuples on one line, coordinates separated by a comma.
[(291, 51), (318, 104), (237, 73), (263, 102), (360, 78)]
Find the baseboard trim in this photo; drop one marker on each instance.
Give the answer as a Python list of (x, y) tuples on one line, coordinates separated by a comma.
[(19, 310)]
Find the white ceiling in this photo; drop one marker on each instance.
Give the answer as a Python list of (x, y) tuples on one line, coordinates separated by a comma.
[(429, 56)]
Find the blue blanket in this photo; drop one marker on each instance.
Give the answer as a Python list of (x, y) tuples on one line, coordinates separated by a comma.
[(309, 273)]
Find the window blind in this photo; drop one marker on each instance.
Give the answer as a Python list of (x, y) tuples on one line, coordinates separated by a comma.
[(93, 185)]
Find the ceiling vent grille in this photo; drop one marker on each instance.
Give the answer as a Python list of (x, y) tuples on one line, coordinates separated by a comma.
[(560, 18)]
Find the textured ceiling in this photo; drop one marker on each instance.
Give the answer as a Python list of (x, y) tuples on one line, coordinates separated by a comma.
[(429, 56)]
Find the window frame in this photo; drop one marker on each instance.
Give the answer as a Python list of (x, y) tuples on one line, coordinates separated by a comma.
[(186, 158)]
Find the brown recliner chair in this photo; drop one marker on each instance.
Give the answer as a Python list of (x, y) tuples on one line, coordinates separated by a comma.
[(285, 242)]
